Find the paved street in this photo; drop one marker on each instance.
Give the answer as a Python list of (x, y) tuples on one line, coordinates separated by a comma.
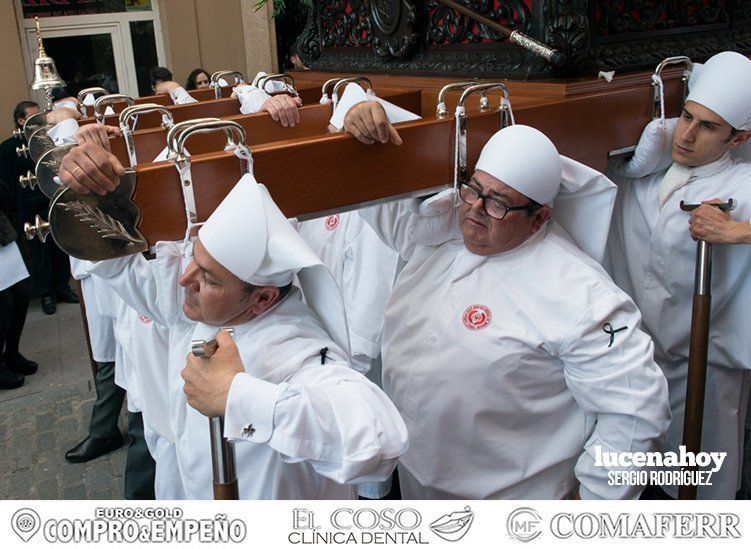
[(50, 414)]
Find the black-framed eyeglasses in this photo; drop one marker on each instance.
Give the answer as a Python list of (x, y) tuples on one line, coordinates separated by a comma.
[(494, 208)]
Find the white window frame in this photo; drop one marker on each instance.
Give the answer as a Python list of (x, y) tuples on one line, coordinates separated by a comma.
[(116, 24)]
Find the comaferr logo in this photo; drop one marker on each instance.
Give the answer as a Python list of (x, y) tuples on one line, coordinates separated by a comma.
[(332, 222), (477, 317)]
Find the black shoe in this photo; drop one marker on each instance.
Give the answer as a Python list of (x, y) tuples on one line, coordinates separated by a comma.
[(20, 364), (67, 295), (48, 305), (92, 448), (8, 379)]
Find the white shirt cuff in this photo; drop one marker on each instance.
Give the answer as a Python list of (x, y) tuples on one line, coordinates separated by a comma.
[(342, 108), (251, 100), (181, 97), (586, 493), (249, 414)]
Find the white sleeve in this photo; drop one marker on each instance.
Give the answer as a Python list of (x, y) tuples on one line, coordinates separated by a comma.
[(392, 223), (610, 370), (135, 280), (367, 278), (180, 96), (329, 416), (251, 98)]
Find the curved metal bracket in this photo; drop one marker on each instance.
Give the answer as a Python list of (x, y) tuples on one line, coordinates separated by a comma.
[(234, 131), (440, 110), (86, 91), (235, 137), (657, 99), (362, 80), (325, 99), (460, 127), (174, 132), (94, 91), (131, 113), (101, 104), (286, 78), (218, 75)]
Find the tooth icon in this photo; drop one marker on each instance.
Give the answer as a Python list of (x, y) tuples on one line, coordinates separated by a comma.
[(25, 523), (454, 526)]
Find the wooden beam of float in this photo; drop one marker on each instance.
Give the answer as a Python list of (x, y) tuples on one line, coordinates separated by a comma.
[(259, 127), (149, 205), (218, 108), (312, 176)]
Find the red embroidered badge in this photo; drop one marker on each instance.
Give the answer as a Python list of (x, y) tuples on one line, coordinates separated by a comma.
[(477, 317), (145, 319), (332, 222)]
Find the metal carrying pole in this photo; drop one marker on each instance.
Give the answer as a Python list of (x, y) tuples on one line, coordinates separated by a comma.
[(698, 347), (553, 56), (222, 450)]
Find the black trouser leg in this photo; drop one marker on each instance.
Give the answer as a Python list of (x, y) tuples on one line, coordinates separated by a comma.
[(60, 268), (40, 267), (13, 316), (140, 467), (6, 312), (109, 401)]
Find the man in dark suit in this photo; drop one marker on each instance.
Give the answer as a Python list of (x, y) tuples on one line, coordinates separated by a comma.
[(50, 267)]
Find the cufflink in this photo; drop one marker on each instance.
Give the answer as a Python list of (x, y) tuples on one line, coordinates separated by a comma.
[(249, 430)]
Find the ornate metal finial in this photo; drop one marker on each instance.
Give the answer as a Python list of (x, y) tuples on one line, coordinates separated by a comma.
[(42, 53)]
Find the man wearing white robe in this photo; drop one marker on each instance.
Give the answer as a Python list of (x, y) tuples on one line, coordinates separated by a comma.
[(305, 423), (653, 258), (508, 351)]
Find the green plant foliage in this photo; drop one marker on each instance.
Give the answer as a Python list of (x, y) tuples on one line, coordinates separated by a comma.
[(281, 5)]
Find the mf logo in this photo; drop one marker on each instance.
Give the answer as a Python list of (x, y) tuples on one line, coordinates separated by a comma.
[(524, 524)]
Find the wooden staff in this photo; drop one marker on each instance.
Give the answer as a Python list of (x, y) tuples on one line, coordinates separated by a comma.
[(222, 450), (698, 347)]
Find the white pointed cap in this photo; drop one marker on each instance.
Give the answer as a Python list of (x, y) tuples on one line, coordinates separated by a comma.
[(525, 160), (250, 236), (582, 198), (724, 87)]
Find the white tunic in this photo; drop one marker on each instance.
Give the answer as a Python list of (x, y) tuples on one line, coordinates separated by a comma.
[(653, 259), (100, 303), (364, 268), (503, 372), (314, 427), (142, 366), (12, 268)]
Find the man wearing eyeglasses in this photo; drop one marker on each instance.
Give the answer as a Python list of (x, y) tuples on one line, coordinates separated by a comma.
[(512, 357)]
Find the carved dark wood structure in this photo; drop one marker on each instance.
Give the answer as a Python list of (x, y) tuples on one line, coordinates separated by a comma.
[(424, 37)]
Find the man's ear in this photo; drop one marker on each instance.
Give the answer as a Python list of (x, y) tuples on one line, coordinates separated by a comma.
[(739, 139), (540, 217), (264, 298)]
